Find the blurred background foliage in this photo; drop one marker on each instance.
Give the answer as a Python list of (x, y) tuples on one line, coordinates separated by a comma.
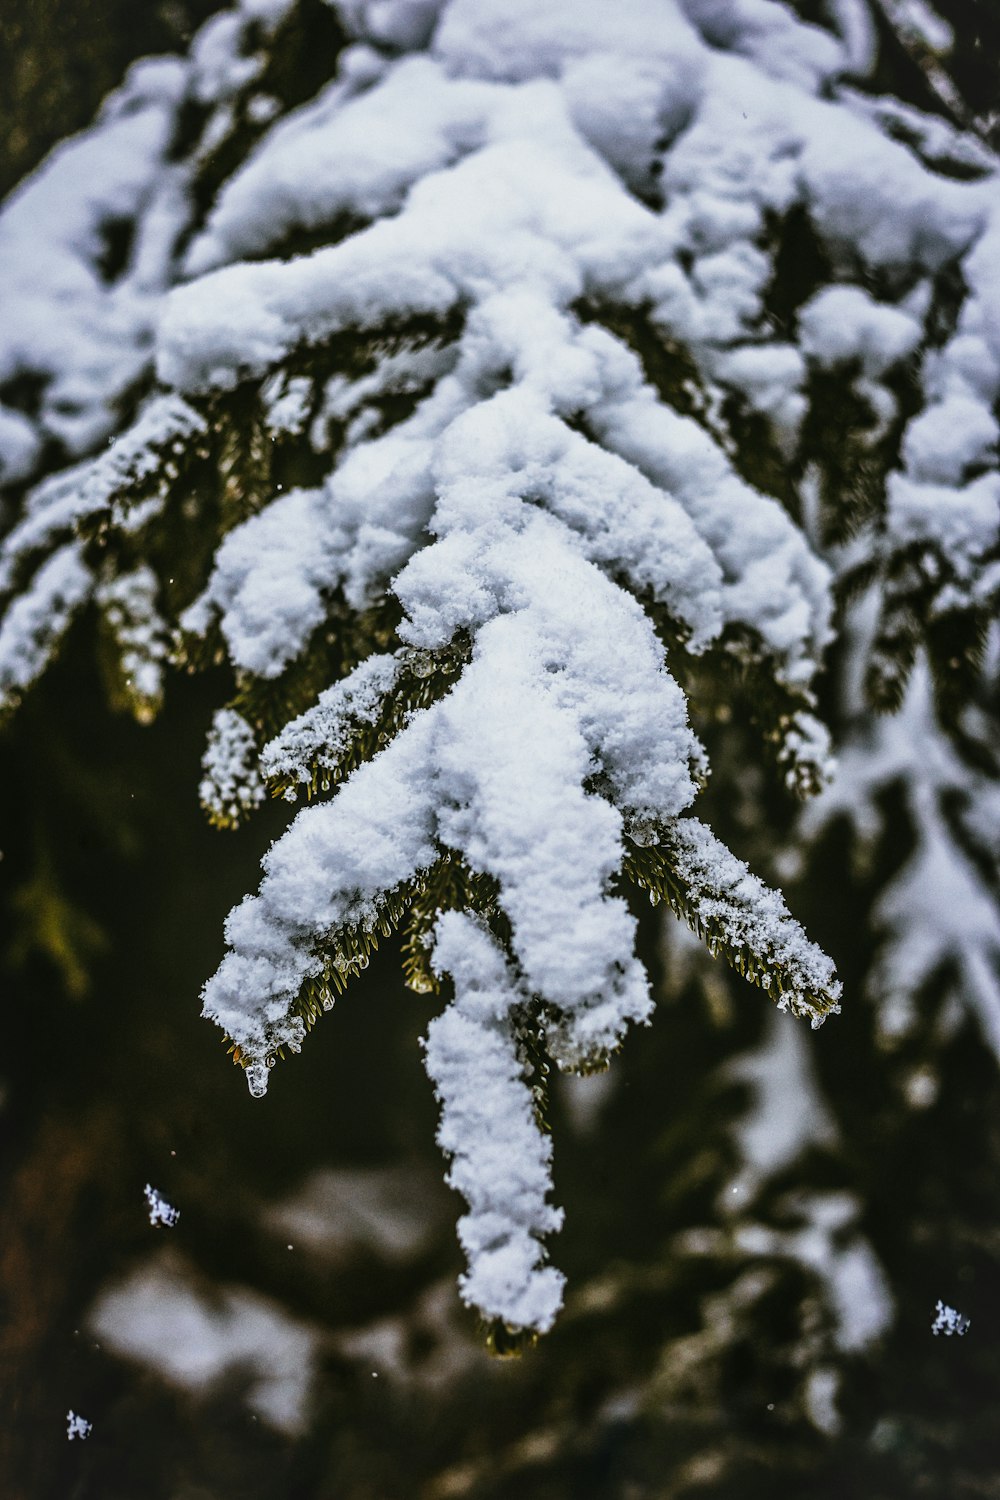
[(298, 1334)]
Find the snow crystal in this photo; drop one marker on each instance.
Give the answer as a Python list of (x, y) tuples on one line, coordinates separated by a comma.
[(162, 1215), (948, 1321), (77, 1426)]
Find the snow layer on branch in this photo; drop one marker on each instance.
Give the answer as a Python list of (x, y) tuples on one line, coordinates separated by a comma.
[(513, 761), (771, 35), (508, 451), (567, 680), (772, 581), (321, 735), (486, 164), (532, 208), (364, 153), (326, 871), (222, 63), (500, 1158), (141, 456), (231, 785), (37, 620), (844, 323), (962, 521), (400, 26), (483, 183), (129, 603), (724, 895), (267, 585), (538, 170), (275, 574), (856, 1288), (73, 322), (458, 466)]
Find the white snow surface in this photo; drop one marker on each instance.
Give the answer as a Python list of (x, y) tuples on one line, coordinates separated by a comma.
[(129, 604), (566, 678), (320, 736), (500, 1158), (747, 914)]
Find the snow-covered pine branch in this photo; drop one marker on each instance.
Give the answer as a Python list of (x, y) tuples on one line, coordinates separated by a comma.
[(480, 411)]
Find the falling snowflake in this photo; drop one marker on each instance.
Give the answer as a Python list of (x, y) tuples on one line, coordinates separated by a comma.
[(161, 1213), (949, 1321), (77, 1427)]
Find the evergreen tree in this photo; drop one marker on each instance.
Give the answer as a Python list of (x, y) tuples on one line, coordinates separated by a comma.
[(542, 425)]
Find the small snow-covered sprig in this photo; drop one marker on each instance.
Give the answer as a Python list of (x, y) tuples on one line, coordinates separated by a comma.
[(161, 1213), (231, 786), (949, 1321), (128, 603), (77, 1427), (741, 919), (37, 620)]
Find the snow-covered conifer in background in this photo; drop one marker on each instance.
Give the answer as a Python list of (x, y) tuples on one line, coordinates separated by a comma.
[(555, 386)]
